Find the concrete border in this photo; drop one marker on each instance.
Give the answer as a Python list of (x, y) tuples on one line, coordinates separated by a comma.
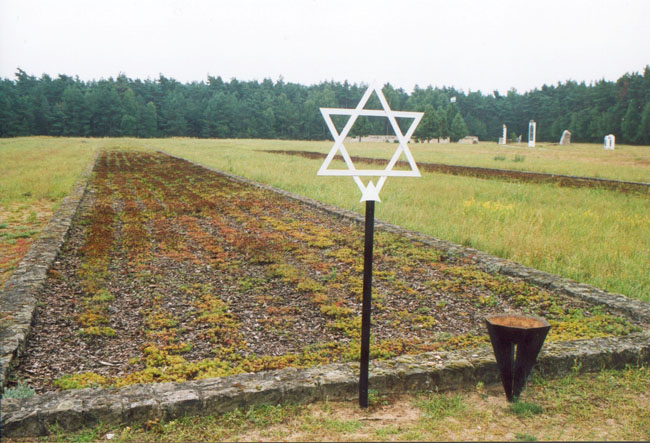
[(18, 295), (72, 410), (441, 371)]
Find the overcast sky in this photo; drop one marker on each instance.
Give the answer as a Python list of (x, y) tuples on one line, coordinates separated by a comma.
[(480, 44)]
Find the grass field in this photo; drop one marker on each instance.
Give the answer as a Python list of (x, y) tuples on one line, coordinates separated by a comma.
[(589, 235), (627, 163), (35, 174)]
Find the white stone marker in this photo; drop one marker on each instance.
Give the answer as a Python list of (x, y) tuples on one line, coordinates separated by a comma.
[(532, 132), (610, 141), (566, 137), (504, 138)]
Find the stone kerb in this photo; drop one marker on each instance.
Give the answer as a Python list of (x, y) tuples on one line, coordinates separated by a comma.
[(18, 295), (442, 371)]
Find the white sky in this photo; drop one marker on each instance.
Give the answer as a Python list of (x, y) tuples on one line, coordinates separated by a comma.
[(468, 44)]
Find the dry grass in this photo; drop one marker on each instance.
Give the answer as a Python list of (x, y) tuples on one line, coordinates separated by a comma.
[(35, 174), (589, 235), (20, 223)]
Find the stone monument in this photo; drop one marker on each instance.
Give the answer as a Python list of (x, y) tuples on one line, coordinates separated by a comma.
[(566, 138), (532, 132), (504, 138), (610, 141)]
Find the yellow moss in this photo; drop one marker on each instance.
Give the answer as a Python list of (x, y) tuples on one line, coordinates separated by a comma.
[(350, 326), (575, 325), (90, 318), (160, 320), (284, 271), (425, 321), (79, 381), (335, 310), (309, 285), (97, 331)]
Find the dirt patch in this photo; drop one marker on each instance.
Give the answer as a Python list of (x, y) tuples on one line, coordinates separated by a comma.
[(500, 174), (172, 272), (20, 224)]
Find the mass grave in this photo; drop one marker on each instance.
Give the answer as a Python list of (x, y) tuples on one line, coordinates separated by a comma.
[(496, 174)]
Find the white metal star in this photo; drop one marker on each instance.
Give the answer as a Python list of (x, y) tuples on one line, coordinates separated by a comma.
[(371, 191)]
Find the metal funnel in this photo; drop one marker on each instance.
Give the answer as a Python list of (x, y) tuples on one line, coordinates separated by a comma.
[(528, 334)]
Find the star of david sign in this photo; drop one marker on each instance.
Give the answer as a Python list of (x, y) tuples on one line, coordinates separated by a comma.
[(371, 190)]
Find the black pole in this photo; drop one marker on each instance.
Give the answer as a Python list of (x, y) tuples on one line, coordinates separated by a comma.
[(365, 307)]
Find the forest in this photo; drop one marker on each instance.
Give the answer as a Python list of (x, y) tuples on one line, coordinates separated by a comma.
[(164, 107)]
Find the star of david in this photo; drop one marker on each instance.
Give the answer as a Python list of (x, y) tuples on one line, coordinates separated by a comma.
[(370, 191)]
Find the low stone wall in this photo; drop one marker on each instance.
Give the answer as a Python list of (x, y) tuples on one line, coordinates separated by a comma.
[(441, 371), (18, 295)]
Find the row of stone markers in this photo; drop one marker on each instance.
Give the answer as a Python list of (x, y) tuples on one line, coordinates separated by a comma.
[(565, 140)]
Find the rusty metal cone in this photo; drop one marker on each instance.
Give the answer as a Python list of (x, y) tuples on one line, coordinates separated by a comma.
[(528, 335)]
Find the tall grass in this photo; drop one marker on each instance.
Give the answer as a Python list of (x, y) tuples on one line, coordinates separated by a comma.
[(628, 163), (36, 168), (590, 235)]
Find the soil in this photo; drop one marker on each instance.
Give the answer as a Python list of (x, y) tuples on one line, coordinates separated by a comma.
[(513, 321), (172, 272), (501, 174)]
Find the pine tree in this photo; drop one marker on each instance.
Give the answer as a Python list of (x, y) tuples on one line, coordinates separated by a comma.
[(630, 125), (443, 129), (428, 126), (149, 121), (106, 110), (173, 115), (75, 112), (458, 128), (130, 117), (644, 127)]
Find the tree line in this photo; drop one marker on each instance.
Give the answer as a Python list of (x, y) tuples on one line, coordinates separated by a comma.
[(113, 107)]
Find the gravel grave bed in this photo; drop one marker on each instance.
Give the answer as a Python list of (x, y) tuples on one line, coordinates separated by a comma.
[(172, 272), (500, 174)]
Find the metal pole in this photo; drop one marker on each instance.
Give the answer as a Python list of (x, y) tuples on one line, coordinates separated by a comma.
[(366, 302)]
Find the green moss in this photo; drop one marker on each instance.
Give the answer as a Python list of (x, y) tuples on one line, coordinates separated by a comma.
[(79, 381), (97, 331), (335, 310), (284, 271), (102, 296), (309, 285), (576, 325)]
